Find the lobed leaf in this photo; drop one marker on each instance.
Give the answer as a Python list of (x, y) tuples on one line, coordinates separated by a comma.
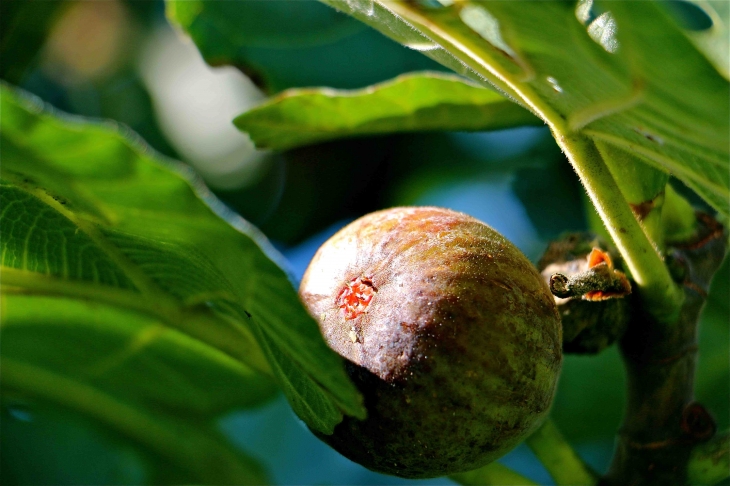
[(409, 103), (117, 266), (628, 77)]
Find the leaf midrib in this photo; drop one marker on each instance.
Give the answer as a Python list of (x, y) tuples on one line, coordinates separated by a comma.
[(150, 299), (178, 318)]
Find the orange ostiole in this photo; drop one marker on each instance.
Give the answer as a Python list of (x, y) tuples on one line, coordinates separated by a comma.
[(355, 297)]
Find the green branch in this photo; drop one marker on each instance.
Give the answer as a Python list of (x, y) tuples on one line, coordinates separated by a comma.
[(709, 463), (661, 297), (558, 457), (492, 474)]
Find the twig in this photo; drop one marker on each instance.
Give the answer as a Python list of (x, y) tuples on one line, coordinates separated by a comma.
[(559, 458), (492, 474)]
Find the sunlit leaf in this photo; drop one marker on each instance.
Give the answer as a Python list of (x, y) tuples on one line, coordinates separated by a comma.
[(632, 80), (117, 264), (409, 103)]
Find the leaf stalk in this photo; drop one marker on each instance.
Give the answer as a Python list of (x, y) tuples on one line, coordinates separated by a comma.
[(660, 296)]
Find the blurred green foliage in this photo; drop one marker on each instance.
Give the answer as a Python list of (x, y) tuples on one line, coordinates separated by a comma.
[(23, 29)]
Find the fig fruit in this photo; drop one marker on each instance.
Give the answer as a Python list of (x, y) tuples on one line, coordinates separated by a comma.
[(449, 332)]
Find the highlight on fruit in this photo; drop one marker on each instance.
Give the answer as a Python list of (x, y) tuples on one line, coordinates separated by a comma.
[(449, 332)]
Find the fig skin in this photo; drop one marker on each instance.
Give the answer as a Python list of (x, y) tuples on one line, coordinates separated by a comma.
[(458, 352)]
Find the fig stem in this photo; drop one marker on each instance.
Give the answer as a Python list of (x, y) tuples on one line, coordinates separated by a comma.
[(660, 296), (492, 474), (559, 458)]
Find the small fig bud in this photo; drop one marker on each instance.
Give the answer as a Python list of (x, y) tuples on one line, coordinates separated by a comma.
[(592, 296), (449, 332)]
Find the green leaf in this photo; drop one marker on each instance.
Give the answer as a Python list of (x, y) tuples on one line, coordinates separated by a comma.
[(290, 44), (192, 452), (24, 26), (120, 274), (714, 42), (682, 123), (263, 24), (124, 352), (36, 438), (409, 103), (631, 78)]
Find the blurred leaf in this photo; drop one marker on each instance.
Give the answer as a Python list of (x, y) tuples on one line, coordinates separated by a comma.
[(409, 103), (196, 451), (590, 398), (712, 383), (24, 25), (122, 98), (290, 44), (47, 445), (262, 24), (181, 374), (290, 198), (633, 80), (105, 243), (550, 193)]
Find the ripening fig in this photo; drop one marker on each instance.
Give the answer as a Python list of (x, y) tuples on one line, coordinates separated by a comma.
[(449, 332)]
